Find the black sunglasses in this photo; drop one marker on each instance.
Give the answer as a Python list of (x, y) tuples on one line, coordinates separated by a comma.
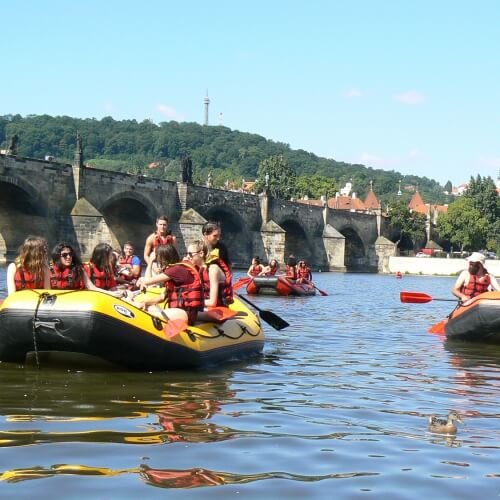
[(191, 254), (66, 254)]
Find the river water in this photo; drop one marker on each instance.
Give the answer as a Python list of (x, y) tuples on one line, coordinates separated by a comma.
[(336, 407)]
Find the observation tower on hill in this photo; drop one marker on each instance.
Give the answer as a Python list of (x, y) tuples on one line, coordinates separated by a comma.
[(206, 103)]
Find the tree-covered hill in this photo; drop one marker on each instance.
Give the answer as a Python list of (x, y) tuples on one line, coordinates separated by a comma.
[(157, 150)]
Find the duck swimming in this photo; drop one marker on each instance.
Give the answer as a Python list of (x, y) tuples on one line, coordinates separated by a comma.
[(441, 426)]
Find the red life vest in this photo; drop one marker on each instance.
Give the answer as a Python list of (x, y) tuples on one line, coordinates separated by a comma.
[(101, 279), (291, 272), (225, 295), (272, 271), (256, 270), (69, 278), (25, 280), (304, 273), (185, 296), (476, 285), (126, 260), (162, 240)]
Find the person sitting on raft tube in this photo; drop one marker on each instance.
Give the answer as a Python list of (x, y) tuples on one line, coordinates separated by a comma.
[(30, 269), (291, 268), (183, 288), (304, 273), (100, 269), (255, 268), (216, 275), (271, 269), (66, 270), (474, 280), (129, 266)]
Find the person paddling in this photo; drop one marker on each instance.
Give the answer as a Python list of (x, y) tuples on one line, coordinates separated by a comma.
[(475, 279)]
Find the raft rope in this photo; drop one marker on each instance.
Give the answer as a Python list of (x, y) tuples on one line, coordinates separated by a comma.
[(41, 297)]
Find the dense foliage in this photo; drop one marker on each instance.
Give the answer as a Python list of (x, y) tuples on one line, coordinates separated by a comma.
[(411, 225), (230, 155), (473, 220)]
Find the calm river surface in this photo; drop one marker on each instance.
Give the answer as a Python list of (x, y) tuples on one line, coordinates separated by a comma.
[(336, 407)]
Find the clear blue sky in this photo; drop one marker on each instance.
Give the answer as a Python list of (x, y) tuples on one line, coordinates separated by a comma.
[(411, 86)]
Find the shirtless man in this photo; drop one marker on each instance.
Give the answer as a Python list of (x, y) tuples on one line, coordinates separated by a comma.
[(161, 236)]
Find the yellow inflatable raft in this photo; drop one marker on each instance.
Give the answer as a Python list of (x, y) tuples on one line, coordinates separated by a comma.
[(97, 325)]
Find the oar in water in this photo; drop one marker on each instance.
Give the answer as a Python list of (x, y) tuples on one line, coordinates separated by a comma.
[(321, 292), (420, 298), (268, 316)]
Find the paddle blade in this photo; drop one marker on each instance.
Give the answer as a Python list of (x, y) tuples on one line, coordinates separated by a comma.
[(438, 328), (321, 292), (241, 283), (414, 297), (174, 327), (221, 313), (273, 319)]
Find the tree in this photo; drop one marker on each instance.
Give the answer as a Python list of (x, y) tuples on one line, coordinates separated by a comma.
[(463, 225), (315, 186), (448, 187), (483, 194), (411, 224), (276, 176)]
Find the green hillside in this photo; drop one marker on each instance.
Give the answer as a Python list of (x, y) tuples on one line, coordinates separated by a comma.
[(156, 150)]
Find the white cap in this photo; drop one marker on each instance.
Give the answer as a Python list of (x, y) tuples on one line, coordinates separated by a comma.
[(476, 257)]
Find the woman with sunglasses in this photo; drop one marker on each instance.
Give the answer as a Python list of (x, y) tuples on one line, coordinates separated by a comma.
[(183, 288), (30, 270), (66, 271)]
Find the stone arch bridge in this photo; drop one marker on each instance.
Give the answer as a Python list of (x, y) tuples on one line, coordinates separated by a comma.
[(85, 206)]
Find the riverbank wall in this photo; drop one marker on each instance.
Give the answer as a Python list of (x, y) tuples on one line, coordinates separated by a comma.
[(435, 267)]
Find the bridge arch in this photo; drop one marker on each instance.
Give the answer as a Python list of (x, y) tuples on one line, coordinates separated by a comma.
[(296, 241), (22, 212), (130, 216), (354, 251)]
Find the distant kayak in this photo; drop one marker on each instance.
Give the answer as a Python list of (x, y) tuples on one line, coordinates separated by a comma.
[(279, 285)]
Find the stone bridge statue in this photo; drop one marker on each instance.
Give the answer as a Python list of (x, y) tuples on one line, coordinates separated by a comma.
[(12, 149)]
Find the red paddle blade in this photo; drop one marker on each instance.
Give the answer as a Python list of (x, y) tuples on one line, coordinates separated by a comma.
[(221, 313), (438, 328), (414, 297), (174, 327), (241, 283)]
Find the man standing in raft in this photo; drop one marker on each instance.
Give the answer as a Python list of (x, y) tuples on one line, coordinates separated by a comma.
[(474, 280), (162, 236)]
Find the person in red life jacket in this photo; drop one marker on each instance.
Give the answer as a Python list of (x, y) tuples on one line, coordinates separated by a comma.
[(474, 280), (129, 265), (183, 287), (271, 269), (291, 268), (304, 273), (66, 269), (215, 273), (100, 268), (162, 236), (255, 268), (30, 269)]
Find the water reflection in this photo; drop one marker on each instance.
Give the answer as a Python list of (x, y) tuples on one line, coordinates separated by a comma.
[(40, 407)]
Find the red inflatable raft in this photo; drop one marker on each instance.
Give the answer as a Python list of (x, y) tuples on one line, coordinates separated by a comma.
[(279, 285)]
